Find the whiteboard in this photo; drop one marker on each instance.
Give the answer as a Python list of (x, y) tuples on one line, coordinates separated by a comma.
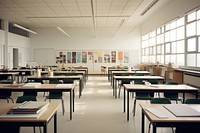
[(45, 56)]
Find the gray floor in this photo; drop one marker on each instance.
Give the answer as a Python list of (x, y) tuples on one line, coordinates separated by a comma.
[(96, 112)]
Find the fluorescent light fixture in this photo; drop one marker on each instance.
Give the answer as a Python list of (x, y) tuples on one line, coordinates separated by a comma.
[(60, 29), (23, 28), (119, 26), (149, 7), (93, 17)]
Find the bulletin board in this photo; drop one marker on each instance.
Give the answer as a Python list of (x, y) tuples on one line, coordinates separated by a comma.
[(91, 56)]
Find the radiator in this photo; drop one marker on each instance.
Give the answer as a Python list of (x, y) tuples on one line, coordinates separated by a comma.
[(191, 79)]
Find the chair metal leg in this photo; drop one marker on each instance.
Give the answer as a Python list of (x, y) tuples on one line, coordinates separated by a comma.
[(134, 107), (63, 107)]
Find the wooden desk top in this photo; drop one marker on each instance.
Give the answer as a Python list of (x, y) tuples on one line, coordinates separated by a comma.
[(161, 87), (170, 117), (58, 77), (9, 73), (143, 72), (45, 117), (40, 87), (139, 77)]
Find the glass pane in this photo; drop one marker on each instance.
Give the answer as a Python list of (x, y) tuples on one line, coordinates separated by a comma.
[(198, 27), (191, 29), (158, 31), (180, 46), (167, 36), (191, 44), (173, 25), (153, 33), (167, 48), (162, 49), (199, 44), (158, 58), (152, 41), (162, 59), (143, 51), (167, 59), (174, 47), (198, 60), (158, 39), (167, 27), (198, 14), (173, 59), (158, 49), (173, 35), (191, 16), (180, 22), (180, 59), (147, 51), (180, 33), (162, 38), (191, 60)]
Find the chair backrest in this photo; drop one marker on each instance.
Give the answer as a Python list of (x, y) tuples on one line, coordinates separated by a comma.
[(160, 101), (171, 83), (192, 101), (22, 99)]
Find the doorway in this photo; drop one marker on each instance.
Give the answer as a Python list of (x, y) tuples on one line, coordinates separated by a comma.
[(15, 58)]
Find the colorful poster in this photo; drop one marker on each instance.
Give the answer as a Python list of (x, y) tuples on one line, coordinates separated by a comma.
[(90, 57), (95, 57), (120, 56), (78, 57), (69, 57), (113, 56), (100, 57), (60, 57), (106, 57), (73, 57), (84, 57), (126, 57)]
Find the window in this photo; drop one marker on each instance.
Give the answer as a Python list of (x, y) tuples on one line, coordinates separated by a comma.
[(191, 29), (191, 60), (191, 17), (180, 46), (167, 48), (191, 44), (180, 33)]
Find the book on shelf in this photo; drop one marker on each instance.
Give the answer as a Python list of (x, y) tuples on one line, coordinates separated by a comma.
[(29, 107)]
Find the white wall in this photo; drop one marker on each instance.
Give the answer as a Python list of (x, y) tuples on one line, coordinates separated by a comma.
[(170, 11), (15, 41), (82, 39)]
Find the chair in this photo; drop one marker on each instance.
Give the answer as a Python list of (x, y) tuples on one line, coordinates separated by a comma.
[(123, 81), (140, 95), (159, 101), (56, 94), (172, 95), (6, 94), (103, 70), (192, 101)]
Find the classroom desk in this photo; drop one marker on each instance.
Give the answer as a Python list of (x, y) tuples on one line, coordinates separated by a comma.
[(11, 74), (78, 77), (126, 73), (156, 88), (110, 69), (44, 87), (117, 78), (181, 123), (68, 73), (24, 73), (42, 121)]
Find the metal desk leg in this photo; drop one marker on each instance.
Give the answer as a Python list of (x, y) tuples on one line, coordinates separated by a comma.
[(124, 100), (142, 128), (127, 105), (70, 104), (45, 128), (55, 122)]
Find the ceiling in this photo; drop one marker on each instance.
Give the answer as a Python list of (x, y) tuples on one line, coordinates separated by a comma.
[(76, 13)]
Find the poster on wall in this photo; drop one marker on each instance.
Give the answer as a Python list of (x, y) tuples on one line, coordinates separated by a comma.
[(69, 57), (120, 56), (113, 56), (90, 57), (100, 57), (126, 57), (95, 57), (106, 57), (60, 57), (78, 57), (73, 57), (84, 57)]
